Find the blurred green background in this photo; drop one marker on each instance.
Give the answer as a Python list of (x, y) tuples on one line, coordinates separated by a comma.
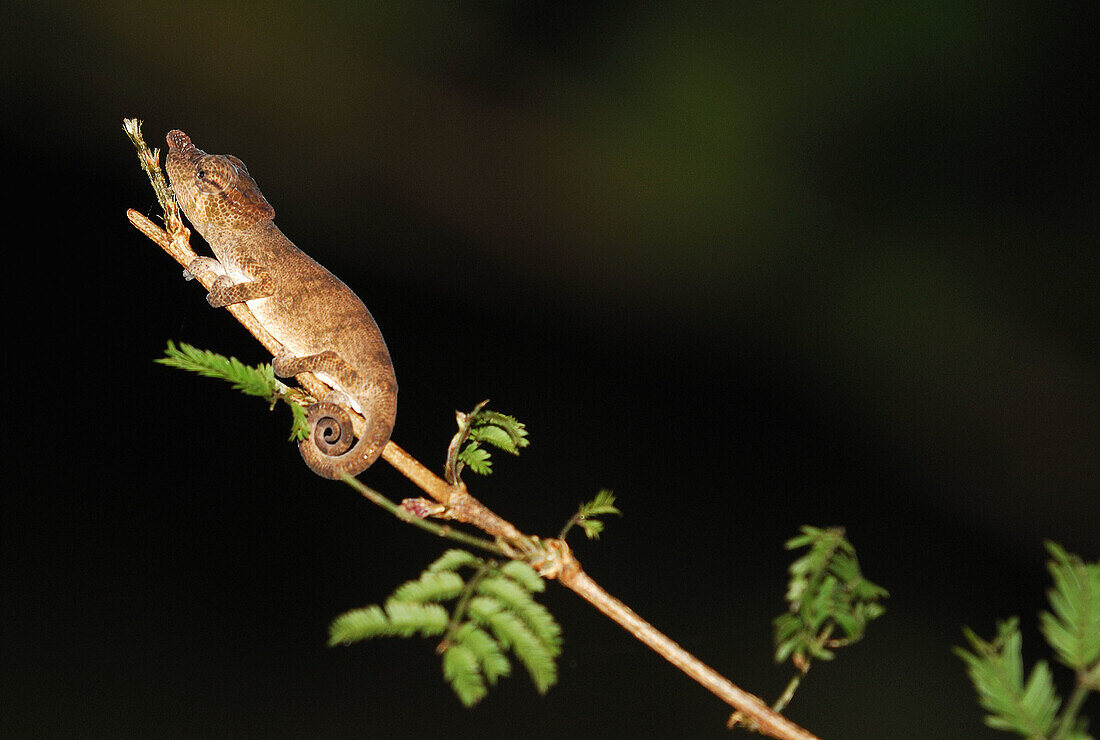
[(750, 265)]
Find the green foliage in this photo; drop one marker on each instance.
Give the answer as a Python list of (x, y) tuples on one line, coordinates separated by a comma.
[(515, 596), (431, 586), (299, 427), (525, 575), (454, 559), (482, 427), (398, 619), (462, 671), (1030, 708), (500, 430), (1073, 630), (826, 595), (997, 672), (252, 381), (492, 612), (585, 518), (258, 381), (476, 459), (536, 652), (494, 663)]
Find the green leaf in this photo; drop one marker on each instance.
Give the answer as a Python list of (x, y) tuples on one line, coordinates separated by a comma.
[(407, 619), (494, 664), (808, 536), (849, 622), (358, 624), (828, 597), (397, 620), (254, 381), (512, 632), (431, 586), (499, 430), (476, 459), (481, 426), (494, 612), (299, 427), (524, 575), (519, 601), (602, 505), (591, 527), (1073, 630), (454, 559), (460, 668), (996, 670), (498, 437)]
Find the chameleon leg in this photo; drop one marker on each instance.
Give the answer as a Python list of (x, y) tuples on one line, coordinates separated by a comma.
[(327, 362), (199, 265), (329, 419), (226, 292)]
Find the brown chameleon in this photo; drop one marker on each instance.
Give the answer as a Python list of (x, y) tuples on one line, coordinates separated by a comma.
[(322, 325)]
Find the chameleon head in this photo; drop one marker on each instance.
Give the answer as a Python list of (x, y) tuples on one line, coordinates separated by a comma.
[(214, 190)]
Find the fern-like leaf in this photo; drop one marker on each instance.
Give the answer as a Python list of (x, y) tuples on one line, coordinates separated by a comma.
[(497, 437), (524, 575), (1073, 629), (430, 586), (409, 618), (512, 632), (494, 612), (460, 668), (254, 381), (399, 619), (482, 426), (490, 657), (602, 505), (299, 427), (519, 601), (476, 459), (996, 670), (500, 430), (827, 594), (358, 624), (454, 559)]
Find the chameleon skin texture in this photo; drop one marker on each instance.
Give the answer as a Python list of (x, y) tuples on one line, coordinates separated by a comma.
[(322, 324)]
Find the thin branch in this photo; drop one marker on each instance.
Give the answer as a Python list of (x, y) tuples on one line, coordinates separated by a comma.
[(766, 721), (552, 558), (1072, 709), (457, 501), (440, 530)]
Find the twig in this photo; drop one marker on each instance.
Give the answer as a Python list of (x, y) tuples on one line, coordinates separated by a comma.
[(552, 557), (408, 517)]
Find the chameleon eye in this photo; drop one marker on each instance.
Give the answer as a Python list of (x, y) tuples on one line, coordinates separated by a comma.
[(214, 174)]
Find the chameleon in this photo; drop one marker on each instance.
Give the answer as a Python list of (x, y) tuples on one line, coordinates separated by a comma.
[(323, 326)]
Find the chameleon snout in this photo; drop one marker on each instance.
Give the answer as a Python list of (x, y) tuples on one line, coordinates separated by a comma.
[(177, 139)]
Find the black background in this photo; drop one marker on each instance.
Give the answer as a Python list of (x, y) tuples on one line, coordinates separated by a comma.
[(751, 267)]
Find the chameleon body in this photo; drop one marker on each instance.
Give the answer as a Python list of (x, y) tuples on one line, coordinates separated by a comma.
[(321, 323)]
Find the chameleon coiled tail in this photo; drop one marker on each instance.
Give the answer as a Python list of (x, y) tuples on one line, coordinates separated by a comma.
[(331, 428), (329, 452)]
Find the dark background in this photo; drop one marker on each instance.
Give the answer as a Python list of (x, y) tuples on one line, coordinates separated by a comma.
[(749, 266)]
